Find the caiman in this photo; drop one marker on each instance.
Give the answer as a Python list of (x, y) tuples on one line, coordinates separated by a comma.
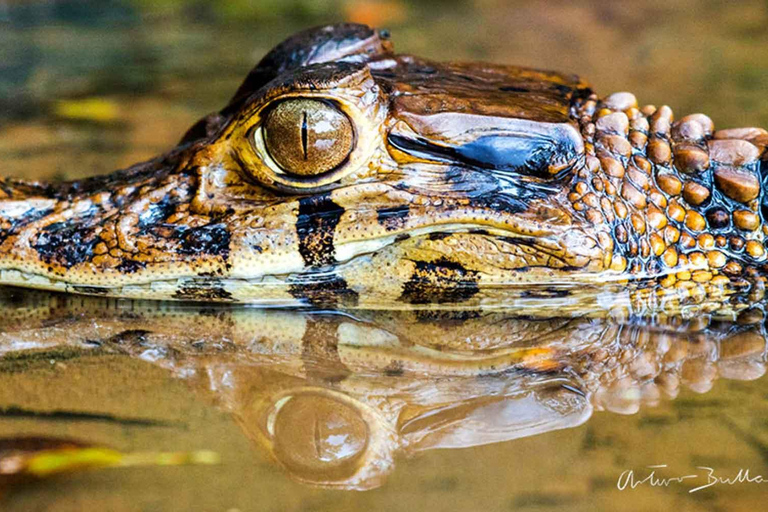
[(343, 173), (335, 399)]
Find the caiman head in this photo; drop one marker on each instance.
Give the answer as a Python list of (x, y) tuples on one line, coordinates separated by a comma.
[(342, 172)]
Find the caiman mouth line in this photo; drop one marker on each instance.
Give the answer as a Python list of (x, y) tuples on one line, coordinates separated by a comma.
[(570, 299), (346, 251)]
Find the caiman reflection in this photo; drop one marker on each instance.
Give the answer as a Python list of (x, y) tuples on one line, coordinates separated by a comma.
[(336, 399), (344, 174)]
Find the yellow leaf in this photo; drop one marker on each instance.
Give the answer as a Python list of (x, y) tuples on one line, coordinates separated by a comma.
[(69, 459), (90, 109)]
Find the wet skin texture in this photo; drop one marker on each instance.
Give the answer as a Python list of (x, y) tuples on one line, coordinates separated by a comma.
[(342, 173)]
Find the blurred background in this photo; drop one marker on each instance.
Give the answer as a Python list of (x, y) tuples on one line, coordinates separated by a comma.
[(87, 86)]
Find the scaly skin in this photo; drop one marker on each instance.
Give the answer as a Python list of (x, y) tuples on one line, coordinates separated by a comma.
[(386, 383), (675, 203), (464, 186)]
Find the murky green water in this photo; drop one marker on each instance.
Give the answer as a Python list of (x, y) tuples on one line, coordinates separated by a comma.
[(87, 87)]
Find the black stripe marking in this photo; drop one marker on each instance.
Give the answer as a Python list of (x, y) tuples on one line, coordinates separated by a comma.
[(212, 239), (315, 226), (441, 281), (322, 290), (127, 266), (66, 243)]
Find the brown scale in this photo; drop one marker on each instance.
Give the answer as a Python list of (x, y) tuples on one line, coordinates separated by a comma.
[(676, 195)]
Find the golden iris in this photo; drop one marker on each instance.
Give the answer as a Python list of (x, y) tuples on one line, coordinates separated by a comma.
[(307, 137)]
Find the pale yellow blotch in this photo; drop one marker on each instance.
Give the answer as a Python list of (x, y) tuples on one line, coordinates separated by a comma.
[(98, 110)]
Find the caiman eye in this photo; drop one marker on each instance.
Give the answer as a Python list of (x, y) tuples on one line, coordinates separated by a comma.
[(307, 137)]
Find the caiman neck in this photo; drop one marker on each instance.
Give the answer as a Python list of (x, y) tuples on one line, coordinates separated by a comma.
[(675, 199)]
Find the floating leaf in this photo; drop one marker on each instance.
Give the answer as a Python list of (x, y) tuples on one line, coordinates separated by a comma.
[(98, 110)]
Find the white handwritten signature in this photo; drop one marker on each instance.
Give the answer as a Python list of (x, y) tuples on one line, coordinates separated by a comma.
[(629, 480)]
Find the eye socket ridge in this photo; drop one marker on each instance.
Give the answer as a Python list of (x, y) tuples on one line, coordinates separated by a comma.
[(307, 137)]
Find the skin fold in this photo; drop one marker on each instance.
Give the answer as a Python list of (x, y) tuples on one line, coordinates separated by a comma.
[(343, 174)]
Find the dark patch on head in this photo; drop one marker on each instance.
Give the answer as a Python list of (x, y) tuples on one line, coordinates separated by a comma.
[(212, 239), (157, 213), (438, 236), (402, 236), (322, 289), (65, 243), (580, 94), (320, 350), (394, 369), (130, 266), (28, 217), (439, 281), (202, 290), (315, 227), (393, 218)]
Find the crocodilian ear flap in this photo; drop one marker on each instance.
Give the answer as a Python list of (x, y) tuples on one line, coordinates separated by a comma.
[(348, 42)]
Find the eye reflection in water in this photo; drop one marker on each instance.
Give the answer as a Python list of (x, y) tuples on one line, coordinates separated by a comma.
[(336, 398)]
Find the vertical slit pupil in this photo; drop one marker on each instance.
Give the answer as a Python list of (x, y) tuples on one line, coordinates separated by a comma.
[(304, 134)]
